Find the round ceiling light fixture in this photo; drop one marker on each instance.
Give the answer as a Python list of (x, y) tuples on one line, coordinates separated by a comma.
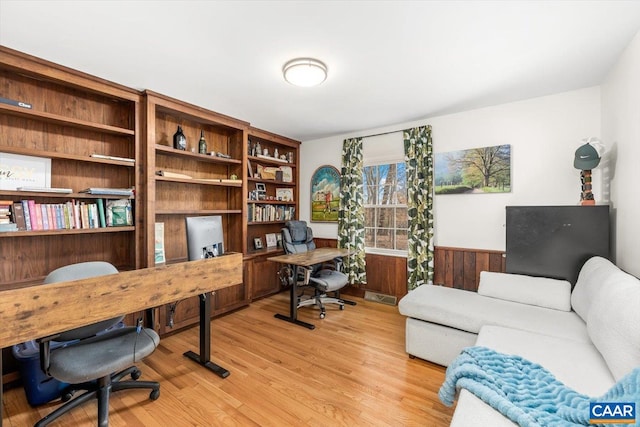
[(305, 72)]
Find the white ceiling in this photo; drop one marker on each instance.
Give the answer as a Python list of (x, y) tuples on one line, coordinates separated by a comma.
[(389, 62)]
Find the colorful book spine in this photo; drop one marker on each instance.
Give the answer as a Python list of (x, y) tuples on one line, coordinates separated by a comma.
[(44, 216), (33, 210), (27, 214), (18, 216)]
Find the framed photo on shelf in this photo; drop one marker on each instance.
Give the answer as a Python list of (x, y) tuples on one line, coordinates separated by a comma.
[(261, 187), (271, 240), (279, 240), (257, 242), (284, 194)]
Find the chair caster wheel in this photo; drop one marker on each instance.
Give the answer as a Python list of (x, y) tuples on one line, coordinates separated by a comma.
[(342, 307), (322, 315), (136, 374), (66, 396), (154, 395)]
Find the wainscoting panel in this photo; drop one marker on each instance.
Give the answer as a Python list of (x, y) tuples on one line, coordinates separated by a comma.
[(453, 267), (460, 267)]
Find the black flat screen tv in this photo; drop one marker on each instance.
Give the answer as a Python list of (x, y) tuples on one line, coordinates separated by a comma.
[(555, 241), (205, 237)]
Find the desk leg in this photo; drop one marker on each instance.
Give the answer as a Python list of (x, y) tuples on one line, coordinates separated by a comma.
[(205, 339), (1, 394), (293, 305)]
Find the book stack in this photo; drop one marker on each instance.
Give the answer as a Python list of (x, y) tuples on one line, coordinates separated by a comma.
[(6, 224)]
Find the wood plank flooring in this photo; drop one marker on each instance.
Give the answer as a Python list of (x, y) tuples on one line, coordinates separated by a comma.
[(351, 370)]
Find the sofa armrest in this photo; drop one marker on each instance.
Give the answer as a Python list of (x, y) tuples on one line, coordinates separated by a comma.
[(539, 291)]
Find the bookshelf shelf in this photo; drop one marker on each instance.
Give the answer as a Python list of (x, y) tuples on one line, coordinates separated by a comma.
[(12, 194), (38, 233), (271, 181), (64, 156), (196, 181), (269, 161), (198, 212), (170, 151), (61, 120)]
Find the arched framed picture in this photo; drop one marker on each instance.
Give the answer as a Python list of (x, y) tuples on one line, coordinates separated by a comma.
[(325, 194)]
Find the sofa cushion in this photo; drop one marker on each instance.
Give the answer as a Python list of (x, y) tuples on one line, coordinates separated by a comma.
[(469, 311), (614, 323), (593, 276), (540, 291)]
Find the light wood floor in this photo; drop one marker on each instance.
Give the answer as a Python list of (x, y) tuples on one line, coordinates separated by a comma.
[(351, 370)]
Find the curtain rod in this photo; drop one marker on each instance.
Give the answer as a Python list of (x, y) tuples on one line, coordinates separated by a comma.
[(380, 134)]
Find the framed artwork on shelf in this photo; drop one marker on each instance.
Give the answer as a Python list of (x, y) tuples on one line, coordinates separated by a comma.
[(325, 194), (284, 194), (271, 240), (261, 187), (257, 242)]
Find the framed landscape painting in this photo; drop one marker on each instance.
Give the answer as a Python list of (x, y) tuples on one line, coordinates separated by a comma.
[(325, 194), (474, 171)]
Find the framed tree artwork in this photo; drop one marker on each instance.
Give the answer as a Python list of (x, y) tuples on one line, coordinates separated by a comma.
[(325, 194)]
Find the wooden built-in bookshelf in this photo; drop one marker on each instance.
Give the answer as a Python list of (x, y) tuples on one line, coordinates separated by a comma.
[(72, 116), (207, 189), (261, 275)]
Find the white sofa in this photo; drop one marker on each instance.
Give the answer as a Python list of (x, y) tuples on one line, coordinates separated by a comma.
[(588, 338)]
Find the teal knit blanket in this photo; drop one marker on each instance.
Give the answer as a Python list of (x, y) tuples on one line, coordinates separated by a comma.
[(527, 393)]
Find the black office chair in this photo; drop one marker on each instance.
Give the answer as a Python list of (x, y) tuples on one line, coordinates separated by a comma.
[(322, 278), (100, 358)]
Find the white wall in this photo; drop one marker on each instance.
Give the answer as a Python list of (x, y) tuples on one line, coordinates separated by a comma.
[(544, 134), (621, 129)]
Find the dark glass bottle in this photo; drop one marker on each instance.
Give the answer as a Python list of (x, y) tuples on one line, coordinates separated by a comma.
[(179, 140), (202, 144)]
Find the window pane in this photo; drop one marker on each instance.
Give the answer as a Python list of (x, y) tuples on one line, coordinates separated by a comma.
[(384, 238), (369, 217), (385, 217), (369, 238), (401, 240), (402, 220), (370, 196), (370, 175)]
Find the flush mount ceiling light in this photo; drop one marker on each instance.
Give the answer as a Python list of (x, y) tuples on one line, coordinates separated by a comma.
[(305, 72)]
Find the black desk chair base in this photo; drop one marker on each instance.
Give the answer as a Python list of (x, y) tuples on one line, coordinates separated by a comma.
[(101, 389)]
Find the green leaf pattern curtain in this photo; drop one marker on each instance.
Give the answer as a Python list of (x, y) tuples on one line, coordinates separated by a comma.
[(418, 149), (351, 213)]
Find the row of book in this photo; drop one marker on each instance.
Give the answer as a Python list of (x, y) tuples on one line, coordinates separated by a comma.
[(28, 215), (261, 213)]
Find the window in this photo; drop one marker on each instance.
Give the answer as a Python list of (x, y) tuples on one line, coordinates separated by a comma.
[(385, 207)]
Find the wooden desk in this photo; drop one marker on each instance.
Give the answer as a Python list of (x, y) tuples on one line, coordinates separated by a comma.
[(304, 259), (38, 311)]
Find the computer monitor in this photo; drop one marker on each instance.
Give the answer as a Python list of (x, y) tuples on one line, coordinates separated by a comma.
[(205, 237)]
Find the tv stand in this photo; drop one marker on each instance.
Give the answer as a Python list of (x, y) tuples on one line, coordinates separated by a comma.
[(205, 339)]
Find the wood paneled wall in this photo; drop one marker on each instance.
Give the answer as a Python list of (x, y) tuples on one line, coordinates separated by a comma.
[(453, 267), (460, 267)]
